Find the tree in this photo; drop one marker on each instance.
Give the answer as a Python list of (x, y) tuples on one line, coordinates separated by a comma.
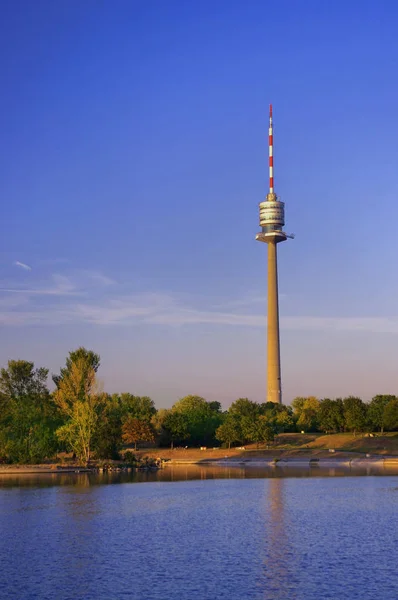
[(284, 419), (22, 380), (246, 412), (390, 415), (107, 438), (279, 415), (79, 400), (215, 406), (230, 431), (136, 430), (140, 407), (267, 429), (176, 424), (201, 417), (258, 430), (376, 410), (308, 413), (331, 415), (88, 358), (249, 428), (243, 407), (157, 421), (354, 414), (297, 406), (28, 416)]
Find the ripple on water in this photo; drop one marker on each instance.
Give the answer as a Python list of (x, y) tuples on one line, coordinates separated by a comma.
[(277, 538)]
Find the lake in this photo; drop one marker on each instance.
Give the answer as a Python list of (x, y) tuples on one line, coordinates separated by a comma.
[(199, 533)]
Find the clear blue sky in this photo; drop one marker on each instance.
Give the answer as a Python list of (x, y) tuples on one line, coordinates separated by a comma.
[(133, 158)]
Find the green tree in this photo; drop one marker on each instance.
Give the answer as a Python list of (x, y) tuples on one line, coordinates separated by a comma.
[(107, 438), (243, 407), (28, 416), (261, 429), (139, 407), (202, 419), (157, 421), (280, 415), (80, 401), (177, 425), (284, 419), (355, 416), (331, 415), (376, 410), (136, 430), (267, 429), (297, 406), (215, 406), (107, 441), (86, 358), (308, 414), (247, 413), (390, 415), (249, 428), (229, 431)]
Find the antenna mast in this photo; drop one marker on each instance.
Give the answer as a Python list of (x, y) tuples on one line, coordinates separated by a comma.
[(271, 152)]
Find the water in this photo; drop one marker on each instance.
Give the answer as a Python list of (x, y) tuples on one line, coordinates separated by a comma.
[(199, 534)]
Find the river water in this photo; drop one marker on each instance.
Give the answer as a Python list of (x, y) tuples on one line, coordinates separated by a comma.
[(199, 534)]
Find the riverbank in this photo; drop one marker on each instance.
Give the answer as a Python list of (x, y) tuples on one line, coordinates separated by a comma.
[(38, 469), (375, 461), (380, 462), (292, 445), (142, 464), (290, 449)]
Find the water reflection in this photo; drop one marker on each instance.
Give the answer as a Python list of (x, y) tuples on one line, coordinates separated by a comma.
[(187, 473), (279, 560), (280, 534), (277, 530)]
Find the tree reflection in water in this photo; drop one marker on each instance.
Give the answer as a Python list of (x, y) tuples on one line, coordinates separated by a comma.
[(186, 473)]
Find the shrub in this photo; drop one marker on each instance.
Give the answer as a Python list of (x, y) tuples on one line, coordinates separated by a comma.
[(129, 457)]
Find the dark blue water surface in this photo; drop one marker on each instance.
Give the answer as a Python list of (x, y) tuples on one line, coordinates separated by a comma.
[(289, 538)]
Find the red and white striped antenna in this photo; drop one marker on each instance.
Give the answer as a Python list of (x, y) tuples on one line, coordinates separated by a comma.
[(271, 152)]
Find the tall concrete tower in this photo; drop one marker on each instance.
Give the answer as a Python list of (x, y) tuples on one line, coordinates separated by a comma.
[(272, 219)]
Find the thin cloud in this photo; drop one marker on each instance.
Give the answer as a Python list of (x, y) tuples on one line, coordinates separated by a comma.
[(367, 324), (22, 265), (61, 286), (41, 292), (165, 310), (132, 312), (54, 261), (90, 297), (98, 277)]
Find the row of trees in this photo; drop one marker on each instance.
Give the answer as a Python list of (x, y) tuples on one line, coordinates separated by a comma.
[(79, 417), (346, 414)]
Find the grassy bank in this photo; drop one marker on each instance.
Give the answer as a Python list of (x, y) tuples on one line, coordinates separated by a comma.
[(288, 445), (292, 445)]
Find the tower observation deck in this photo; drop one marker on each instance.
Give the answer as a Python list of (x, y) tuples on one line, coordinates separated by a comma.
[(272, 220)]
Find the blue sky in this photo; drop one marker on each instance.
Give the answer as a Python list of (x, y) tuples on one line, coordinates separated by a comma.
[(133, 159)]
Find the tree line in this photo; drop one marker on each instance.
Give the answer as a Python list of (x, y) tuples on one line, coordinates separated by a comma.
[(79, 417)]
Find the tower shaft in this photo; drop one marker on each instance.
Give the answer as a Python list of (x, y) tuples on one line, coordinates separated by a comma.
[(274, 392), (272, 220)]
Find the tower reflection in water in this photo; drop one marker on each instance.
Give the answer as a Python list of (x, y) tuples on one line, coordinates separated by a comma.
[(280, 569)]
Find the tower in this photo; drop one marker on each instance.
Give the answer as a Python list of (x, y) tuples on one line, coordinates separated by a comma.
[(272, 219)]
